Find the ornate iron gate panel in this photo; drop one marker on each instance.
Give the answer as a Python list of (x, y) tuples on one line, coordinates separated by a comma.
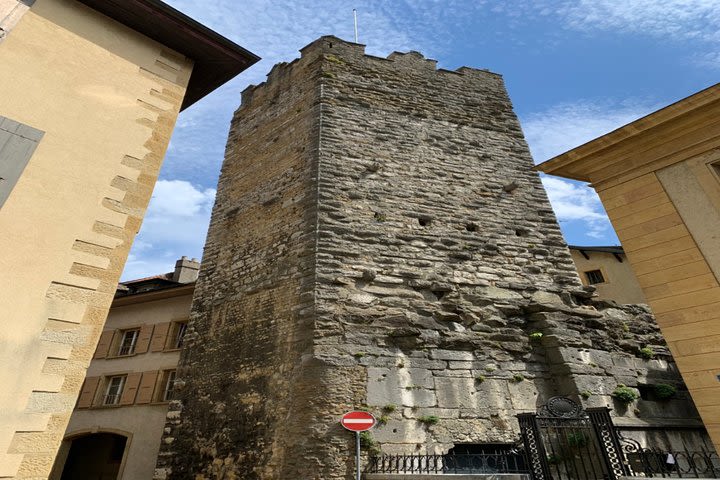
[(563, 442)]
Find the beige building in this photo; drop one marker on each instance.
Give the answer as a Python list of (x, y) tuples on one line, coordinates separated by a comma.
[(659, 180), (607, 269), (117, 424), (89, 94)]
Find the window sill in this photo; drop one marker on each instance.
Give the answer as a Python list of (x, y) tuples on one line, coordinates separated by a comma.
[(110, 357)]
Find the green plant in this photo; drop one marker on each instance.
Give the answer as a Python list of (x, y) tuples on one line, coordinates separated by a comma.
[(518, 377), (586, 394), (383, 419), (625, 394), (333, 59), (380, 217), (625, 327), (577, 440), (328, 75), (553, 459), (369, 444), (480, 378), (428, 420), (536, 336), (389, 408), (663, 391), (647, 353), (359, 354)]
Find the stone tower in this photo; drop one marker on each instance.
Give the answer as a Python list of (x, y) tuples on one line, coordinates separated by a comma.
[(379, 240)]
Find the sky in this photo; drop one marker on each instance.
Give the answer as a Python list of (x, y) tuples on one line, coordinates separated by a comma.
[(574, 69)]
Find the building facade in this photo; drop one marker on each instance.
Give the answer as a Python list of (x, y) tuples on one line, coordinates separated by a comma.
[(607, 269), (380, 241), (658, 180), (115, 429), (89, 94)]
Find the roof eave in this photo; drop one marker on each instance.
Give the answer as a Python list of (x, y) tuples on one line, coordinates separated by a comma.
[(571, 163), (217, 59)]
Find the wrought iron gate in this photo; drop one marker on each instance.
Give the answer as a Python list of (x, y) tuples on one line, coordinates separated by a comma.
[(563, 441)]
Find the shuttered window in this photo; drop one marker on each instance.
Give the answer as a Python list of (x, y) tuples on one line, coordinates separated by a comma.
[(17, 144), (87, 393), (159, 338), (147, 387)]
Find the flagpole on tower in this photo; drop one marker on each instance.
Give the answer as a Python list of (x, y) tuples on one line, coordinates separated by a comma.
[(355, 19)]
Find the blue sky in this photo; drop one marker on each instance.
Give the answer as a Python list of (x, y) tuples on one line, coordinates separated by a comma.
[(574, 70)]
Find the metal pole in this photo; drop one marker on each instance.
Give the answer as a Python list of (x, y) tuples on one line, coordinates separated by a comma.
[(357, 453), (356, 41)]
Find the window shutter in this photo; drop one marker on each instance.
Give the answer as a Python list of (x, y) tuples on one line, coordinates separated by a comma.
[(17, 144), (159, 338), (144, 339), (87, 393), (130, 389), (104, 344), (147, 387)]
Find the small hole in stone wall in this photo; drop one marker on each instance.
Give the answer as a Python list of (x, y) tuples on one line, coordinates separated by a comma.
[(394, 430), (424, 221), (471, 227), (521, 232), (439, 294)]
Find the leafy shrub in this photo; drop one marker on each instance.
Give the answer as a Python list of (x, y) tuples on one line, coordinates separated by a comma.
[(663, 391), (369, 444), (625, 394), (647, 353), (428, 420), (389, 408), (577, 439), (536, 336)]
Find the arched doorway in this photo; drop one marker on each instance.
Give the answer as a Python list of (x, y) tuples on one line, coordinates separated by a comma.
[(95, 456)]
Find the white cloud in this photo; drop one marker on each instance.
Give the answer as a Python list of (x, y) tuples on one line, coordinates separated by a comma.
[(175, 225), (707, 60), (572, 201), (566, 126), (678, 19)]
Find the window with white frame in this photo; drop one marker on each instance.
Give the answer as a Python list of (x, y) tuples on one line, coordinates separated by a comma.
[(128, 341), (168, 384), (113, 390), (179, 334)]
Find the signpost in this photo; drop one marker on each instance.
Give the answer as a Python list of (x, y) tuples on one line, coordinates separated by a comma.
[(357, 422)]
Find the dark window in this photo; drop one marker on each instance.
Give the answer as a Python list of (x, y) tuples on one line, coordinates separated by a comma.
[(484, 458), (128, 342), (179, 334), (114, 389), (594, 276)]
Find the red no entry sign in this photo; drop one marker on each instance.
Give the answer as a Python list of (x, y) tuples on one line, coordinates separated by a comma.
[(358, 421)]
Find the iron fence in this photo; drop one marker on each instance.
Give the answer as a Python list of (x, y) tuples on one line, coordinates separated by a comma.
[(501, 461), (656, 462)]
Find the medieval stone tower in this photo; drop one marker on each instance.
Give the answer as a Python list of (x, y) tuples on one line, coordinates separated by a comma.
[(380, 240)]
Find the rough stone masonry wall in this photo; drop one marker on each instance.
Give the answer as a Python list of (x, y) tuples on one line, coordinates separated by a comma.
[(439, 257), (413, 277), (251, 319)]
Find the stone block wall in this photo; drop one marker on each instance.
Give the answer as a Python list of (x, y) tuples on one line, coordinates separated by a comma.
[(380, 241)]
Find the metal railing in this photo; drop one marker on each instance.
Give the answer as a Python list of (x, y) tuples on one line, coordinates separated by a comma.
[(503, 461), (656, 462)]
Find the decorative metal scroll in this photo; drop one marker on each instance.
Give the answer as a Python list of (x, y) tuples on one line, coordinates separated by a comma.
[(665, 463), (563, 441)]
